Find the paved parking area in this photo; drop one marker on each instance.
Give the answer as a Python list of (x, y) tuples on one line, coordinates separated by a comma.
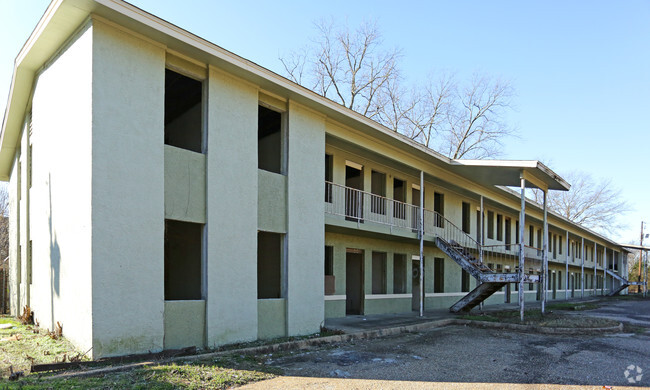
[(468, 357)]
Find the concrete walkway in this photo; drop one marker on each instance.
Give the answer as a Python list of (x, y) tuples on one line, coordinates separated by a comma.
[(360, 323)]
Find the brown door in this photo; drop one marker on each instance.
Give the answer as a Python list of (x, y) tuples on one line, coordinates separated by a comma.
[(415, 291), (354, 283)]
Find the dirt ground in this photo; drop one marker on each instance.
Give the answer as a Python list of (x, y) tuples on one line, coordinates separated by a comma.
[(471, 356)]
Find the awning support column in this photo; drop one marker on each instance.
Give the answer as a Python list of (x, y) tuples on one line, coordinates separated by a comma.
[(595, 282), (582, 268), (544, 280), (566, 285), (421, 234), (522, 223)]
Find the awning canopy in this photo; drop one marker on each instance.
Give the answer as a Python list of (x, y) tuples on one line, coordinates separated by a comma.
[(509, 173)]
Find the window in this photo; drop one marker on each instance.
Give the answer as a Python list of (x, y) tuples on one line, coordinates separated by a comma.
[(508, 228), (466, 217), (329, 260), (516, 231), (439, 208), (531, 235), (269, 140), (328, 178), (183, 112), (399, 194), (439, 275), (399, 273), (490, 224), (330, 286), (539, 239), (378, 188), (379, 272), (559, 248), (269, 265), (183, 257), (464, 281), (499, 227)]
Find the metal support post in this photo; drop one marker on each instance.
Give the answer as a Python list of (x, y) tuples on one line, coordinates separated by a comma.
[(582, 268), (604, 271), (545, 255), (522, 223), (566, 285), (594, 284), (421, 233)]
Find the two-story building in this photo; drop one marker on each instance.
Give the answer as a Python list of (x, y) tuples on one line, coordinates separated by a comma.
[(165, 192)]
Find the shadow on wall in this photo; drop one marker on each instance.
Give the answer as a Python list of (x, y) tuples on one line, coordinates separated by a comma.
[(55, 256)]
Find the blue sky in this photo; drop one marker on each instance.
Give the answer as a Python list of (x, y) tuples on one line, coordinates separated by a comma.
[(581, 68)]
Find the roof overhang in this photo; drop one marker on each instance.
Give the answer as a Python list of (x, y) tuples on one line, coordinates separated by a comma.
[(509, 173)]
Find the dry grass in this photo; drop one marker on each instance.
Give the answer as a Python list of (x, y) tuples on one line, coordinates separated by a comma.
[(22, 345)]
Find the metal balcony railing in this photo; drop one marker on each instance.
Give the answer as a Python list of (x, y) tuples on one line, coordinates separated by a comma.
[(361, 207)]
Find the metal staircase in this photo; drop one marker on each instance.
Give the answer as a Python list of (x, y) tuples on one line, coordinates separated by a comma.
[(624, 283), (489, 281)]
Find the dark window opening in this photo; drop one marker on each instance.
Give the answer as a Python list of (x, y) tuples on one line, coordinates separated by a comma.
[(439, 208), (499, 227), (399, 194), (328, 178), (490, 224), (378, 188), (439, 275), (516, 232), (183, 253), (508, 228), (353, 198), (269, 265), (465, 218), (464, 281), (531, 236), (183, 111), (378, 272), (269, 140), (330, 286), (399, 273)]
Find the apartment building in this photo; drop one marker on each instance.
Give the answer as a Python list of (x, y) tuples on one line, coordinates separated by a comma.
[(165, 192)]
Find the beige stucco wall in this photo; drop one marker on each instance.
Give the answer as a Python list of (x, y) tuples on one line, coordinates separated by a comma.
[(184, 185), (184, 324), (271, 318), (128, 193), (305, 220), (60, 197), (272, 202), (232, 176), (14, 274)]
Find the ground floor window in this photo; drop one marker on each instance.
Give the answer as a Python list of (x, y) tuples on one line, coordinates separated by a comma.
[(183, 254), (399, 273), (269, 265)]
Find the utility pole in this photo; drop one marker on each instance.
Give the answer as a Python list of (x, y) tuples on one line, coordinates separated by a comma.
[(640, 258)]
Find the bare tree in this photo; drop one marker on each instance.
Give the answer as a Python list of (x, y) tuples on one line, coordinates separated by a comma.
[(476, 125), (346, 66), (352, 68), (594, 204)]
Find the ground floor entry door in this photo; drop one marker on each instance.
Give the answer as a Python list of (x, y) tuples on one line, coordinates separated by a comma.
[(354, 282), (415, 294)]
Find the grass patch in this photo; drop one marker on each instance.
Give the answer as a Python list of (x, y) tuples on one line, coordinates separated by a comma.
[(550, 319), (23, 344), (218, 373), (572, 306)]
